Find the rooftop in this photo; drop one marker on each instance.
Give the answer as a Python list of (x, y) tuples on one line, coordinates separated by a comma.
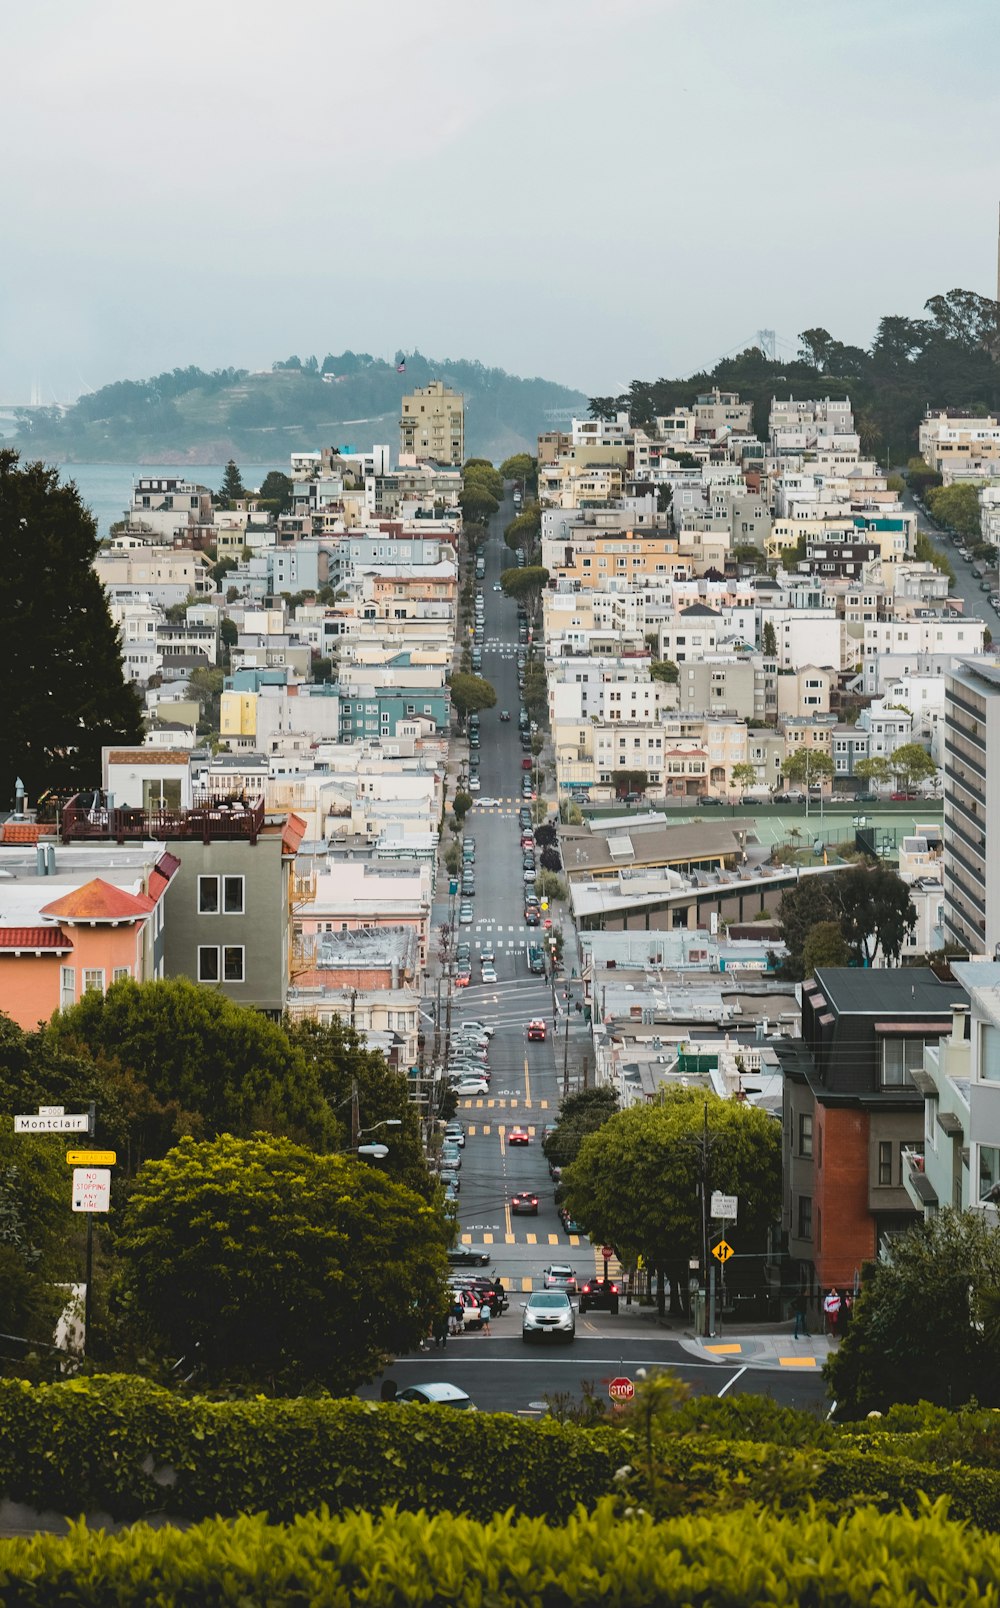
[(900, 991)]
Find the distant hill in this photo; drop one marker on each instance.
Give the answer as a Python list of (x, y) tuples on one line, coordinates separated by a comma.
[(190, 417)]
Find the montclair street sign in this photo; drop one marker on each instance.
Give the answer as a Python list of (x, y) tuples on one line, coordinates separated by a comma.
[(52, 1121)]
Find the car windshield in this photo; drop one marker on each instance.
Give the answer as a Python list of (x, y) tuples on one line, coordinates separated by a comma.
[(551, 1299)]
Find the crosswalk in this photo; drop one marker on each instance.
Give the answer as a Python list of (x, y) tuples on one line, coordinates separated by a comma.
[(502, 1103), (527, 1239)]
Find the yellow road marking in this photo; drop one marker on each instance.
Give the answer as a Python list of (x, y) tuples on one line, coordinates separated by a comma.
[(797, 1362), (527, 1083), (486, 1130), (472, 1130), (487, 1239), (531, 1133), (510, 1239), (512, 1104), (544, 1104), (526, 1285), (721, 1351), (553, 1239), (466, 1239), (502, 1132), (510, 1231), (574, 1239), (490, 1103), (531, 1238)]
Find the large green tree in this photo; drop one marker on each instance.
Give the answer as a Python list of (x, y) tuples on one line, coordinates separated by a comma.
[(232, 488), (920, 1330), (37, 1254), (67, 697), (806, 766), (268, 1266), (811, 902), (876, 912), (957, 507), (579, 1115), (197, 1063), (874, 770), (469, 694), (635, 1182), (276, 489), (527, 583), (912, 765), (476, 502)]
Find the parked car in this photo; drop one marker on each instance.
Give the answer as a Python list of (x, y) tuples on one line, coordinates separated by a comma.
[(470, 1087), (902, 798), (709, 801), (454, 1133), (465, 915), (524, 1201), (548, 1313)]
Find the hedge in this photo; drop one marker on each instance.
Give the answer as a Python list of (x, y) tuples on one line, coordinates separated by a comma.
[(121, 1446), (603, 1557)]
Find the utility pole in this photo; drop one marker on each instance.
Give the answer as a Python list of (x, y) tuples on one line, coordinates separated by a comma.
[(355, 1116), (89, 1275), (566, 1053)]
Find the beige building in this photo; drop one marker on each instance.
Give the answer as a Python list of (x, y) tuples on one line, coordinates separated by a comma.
[(433, 424), (957, 446)]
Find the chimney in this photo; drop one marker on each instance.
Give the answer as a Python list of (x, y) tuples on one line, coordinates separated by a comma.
[(41, 869), (50, 860), (959, 1018)]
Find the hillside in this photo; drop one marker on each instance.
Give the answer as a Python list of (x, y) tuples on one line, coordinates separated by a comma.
[(190, 417)]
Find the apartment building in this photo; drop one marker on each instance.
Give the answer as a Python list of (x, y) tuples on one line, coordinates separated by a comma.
[(971, 821), (432, 424), (960, 446)]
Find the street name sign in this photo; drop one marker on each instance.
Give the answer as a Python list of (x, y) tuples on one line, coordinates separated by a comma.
[(40, 1122), (91, 1189)]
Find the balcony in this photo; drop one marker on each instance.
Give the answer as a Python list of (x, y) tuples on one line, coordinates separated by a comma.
[(916, 1182), (212, 818)]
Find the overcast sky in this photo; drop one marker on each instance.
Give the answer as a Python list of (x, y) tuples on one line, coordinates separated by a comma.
[(590, 190)]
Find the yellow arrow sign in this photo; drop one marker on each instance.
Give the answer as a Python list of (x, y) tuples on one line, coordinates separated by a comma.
[(723, 1251), (91, 1158)]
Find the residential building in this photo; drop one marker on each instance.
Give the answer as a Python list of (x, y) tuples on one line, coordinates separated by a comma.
[(432, 424), (959, 445), (971, 790), (853, 1114)]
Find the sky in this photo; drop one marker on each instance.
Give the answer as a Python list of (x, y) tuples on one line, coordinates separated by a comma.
[(588, 190)]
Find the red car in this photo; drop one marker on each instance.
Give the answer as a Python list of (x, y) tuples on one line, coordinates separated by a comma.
[(536, 1029), (527, 762), (903, 798), (524, 1202), (518, 1136), (463, 979)]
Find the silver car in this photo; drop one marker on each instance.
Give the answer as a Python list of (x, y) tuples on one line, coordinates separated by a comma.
[(548, 1312)]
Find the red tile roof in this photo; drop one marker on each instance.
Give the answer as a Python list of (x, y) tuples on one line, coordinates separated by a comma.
[(293, 831), (24, 831), (99, 901), (21, 938)]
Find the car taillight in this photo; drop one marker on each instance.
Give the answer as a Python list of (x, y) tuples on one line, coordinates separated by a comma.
[(614, 1289)]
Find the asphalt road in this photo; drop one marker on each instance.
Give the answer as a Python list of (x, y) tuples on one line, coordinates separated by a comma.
[(966, 586)]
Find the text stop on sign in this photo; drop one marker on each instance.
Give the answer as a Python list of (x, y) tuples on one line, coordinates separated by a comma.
[(621, 1389)]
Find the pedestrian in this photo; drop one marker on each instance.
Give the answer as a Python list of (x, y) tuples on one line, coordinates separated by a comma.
[(455, 1319), (441, 1332), (485, 1313), (847, 1310), (831, 1307), (799, 1309), (388, 1390)]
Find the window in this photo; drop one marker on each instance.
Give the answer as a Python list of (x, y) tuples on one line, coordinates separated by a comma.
[(93, 980), (67, 987), (232, 963), (989, 1169), (231, 896), (885, 1161), (120, 973), (900, 1058), (805, 1217), (805, 1133), (208, 963)]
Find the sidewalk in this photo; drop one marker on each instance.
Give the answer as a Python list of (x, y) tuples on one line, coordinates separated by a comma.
[(766, 1345)]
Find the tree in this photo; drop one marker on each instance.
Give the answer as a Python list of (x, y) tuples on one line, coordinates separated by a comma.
[(527, 583), (206, 685), (579, 1115), (874, 771), (469, 694), (922, 477), (462, 805), (664, 670), (825, 945), (807, 765), (551, 860), (658, 1149), (957, 508), (918, 1333), (629, 781), (36, 1254), (912, 764), (276, 490), (812, 901), (876, 912), (769, 640), (66, 696), (476, 503), (479, 472), (268, 1266), (521, 466), (744, 775), (232, 489), (185, 1059)]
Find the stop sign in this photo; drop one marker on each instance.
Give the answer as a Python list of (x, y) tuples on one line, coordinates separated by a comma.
[(607, 1251), (621, 1389)]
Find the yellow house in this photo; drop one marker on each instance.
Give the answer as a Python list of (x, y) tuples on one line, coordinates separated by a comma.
[(238, 715)]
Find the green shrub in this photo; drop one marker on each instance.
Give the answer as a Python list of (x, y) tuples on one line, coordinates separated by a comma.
[(727, 1560)]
